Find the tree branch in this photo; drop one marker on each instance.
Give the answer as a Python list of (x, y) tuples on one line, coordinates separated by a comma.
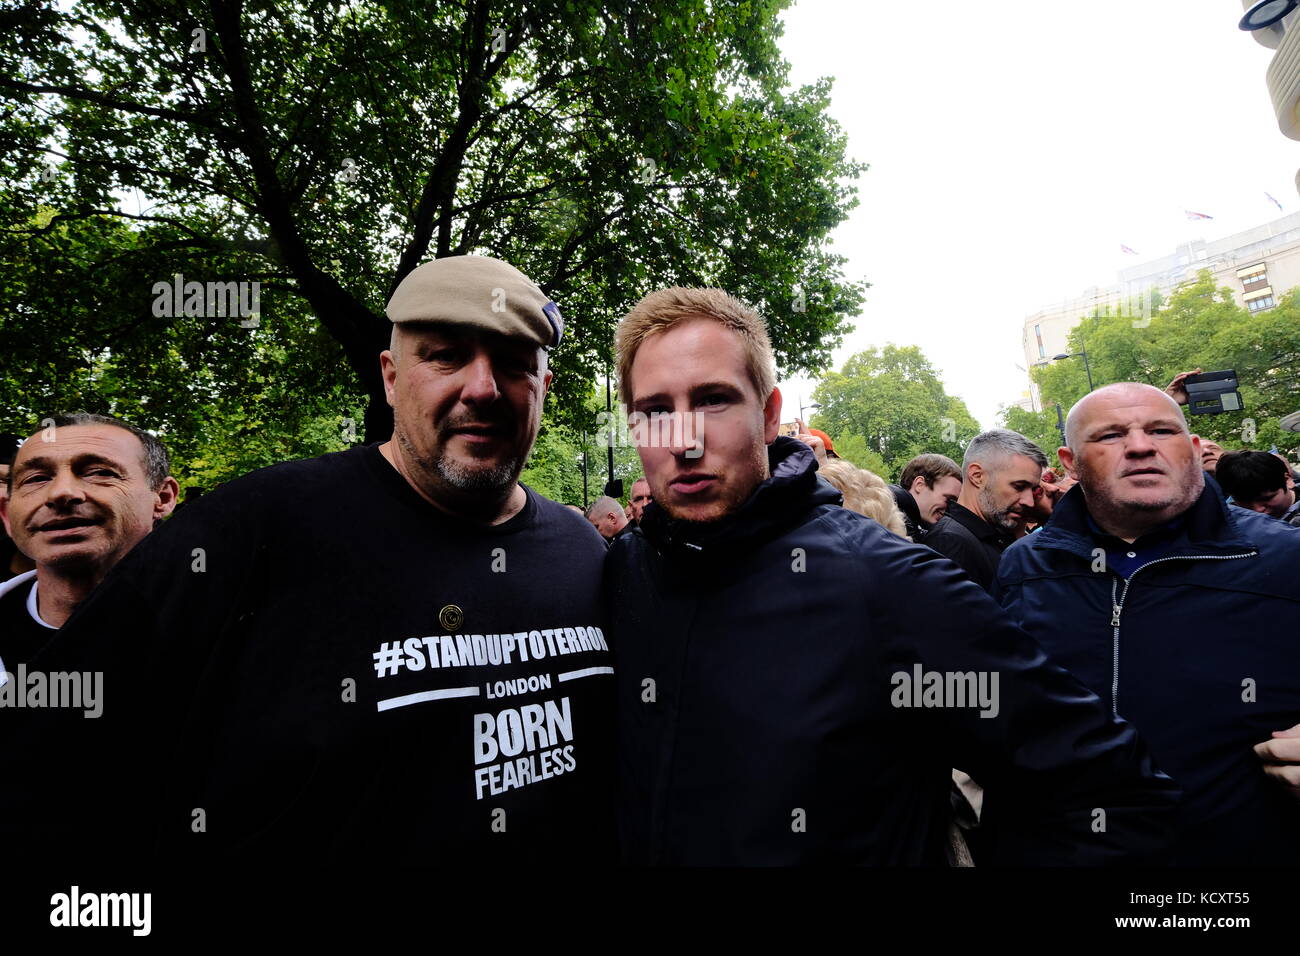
[(126, 106), (439, 191)]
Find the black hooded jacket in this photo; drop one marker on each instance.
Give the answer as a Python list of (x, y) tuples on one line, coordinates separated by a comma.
[(911, 512), (769, 671)]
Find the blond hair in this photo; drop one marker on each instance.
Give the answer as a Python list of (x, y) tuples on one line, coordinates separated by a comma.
[(660, 311), (865, 493)]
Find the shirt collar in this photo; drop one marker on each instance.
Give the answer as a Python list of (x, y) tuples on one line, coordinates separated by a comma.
[(977, 526), (1157, 535)]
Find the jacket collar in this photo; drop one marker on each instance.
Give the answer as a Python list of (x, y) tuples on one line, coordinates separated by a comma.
[(777, 503), (907, 504), (1208, 523), (978, 526), (17, 581)]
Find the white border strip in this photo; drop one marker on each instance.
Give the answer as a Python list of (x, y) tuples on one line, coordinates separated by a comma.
[(585, 672), (424, 695)]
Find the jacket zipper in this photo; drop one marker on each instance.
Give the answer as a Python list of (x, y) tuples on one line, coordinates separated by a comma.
[(1117, 606)]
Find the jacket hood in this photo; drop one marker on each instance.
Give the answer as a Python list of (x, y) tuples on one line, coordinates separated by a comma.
[(906, 503), (792, 489), (1209, 524)]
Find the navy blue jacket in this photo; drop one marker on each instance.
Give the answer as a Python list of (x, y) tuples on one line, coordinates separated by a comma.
[(758, 718), (1174, 650)]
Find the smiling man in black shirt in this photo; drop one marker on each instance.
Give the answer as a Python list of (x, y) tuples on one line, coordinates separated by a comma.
[(79, 495), (394, 651)]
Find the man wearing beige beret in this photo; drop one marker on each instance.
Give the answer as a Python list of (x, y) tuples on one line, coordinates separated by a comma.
[(395, 651)]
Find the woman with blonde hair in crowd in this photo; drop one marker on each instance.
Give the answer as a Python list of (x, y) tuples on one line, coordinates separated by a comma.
[(864, 492)]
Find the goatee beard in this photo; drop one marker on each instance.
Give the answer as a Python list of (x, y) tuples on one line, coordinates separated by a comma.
[(495, 480)]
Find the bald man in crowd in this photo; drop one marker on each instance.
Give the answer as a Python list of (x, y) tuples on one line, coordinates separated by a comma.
[(608, 517), (1174, 608), (641, 496)]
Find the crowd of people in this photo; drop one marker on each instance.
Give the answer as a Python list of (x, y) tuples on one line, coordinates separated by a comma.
[(767, 656)]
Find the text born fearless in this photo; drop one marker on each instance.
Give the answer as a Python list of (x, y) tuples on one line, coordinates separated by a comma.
[(537, 739)]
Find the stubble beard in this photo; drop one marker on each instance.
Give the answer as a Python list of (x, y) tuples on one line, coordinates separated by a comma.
[(492, 481), (1002, 519), (720, 508), (1178, 501)]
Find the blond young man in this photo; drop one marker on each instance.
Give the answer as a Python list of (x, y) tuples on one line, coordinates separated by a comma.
[(769, 639)]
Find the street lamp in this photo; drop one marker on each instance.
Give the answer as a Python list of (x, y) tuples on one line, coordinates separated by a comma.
[(815, 406), (1086, 367), (1266, 13)]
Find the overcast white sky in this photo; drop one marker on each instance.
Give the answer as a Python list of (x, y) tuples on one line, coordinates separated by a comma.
[(1014, 144)]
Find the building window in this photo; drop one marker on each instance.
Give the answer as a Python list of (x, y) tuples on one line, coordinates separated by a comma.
[(1253, 278), (1038, 334), (1263, 302)]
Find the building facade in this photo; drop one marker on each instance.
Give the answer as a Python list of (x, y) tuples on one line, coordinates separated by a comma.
[(1258, 266)]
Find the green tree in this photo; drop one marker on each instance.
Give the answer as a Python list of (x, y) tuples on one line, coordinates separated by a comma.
[(225, 398), (1201, 326), (855, 450), (555, 467), (893, 399), (326, 150)]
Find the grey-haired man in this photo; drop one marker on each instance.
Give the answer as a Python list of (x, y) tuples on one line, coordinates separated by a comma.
[(1000, 471), (372, 653)]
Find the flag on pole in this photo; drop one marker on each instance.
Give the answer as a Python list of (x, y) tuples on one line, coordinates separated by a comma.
[(1124, 248), (1196, 215), (1275, 202)]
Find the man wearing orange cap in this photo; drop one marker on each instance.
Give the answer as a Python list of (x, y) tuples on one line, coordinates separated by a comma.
[(370, 653), (817, 440)]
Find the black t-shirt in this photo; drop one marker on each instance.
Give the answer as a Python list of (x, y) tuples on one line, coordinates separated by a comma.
[(7, 552), (325, 664), (21, 636)]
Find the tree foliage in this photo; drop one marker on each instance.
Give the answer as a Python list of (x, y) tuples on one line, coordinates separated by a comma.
[(855, 450), (325, 150), (1201, 326), (557, 464), (1039, 427), (893, 400)]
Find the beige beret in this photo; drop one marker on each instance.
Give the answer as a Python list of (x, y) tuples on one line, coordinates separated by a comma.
[(478, 291)]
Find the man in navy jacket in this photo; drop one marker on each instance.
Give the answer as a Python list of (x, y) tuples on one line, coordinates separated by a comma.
[(1179, 611), (795, 683)]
